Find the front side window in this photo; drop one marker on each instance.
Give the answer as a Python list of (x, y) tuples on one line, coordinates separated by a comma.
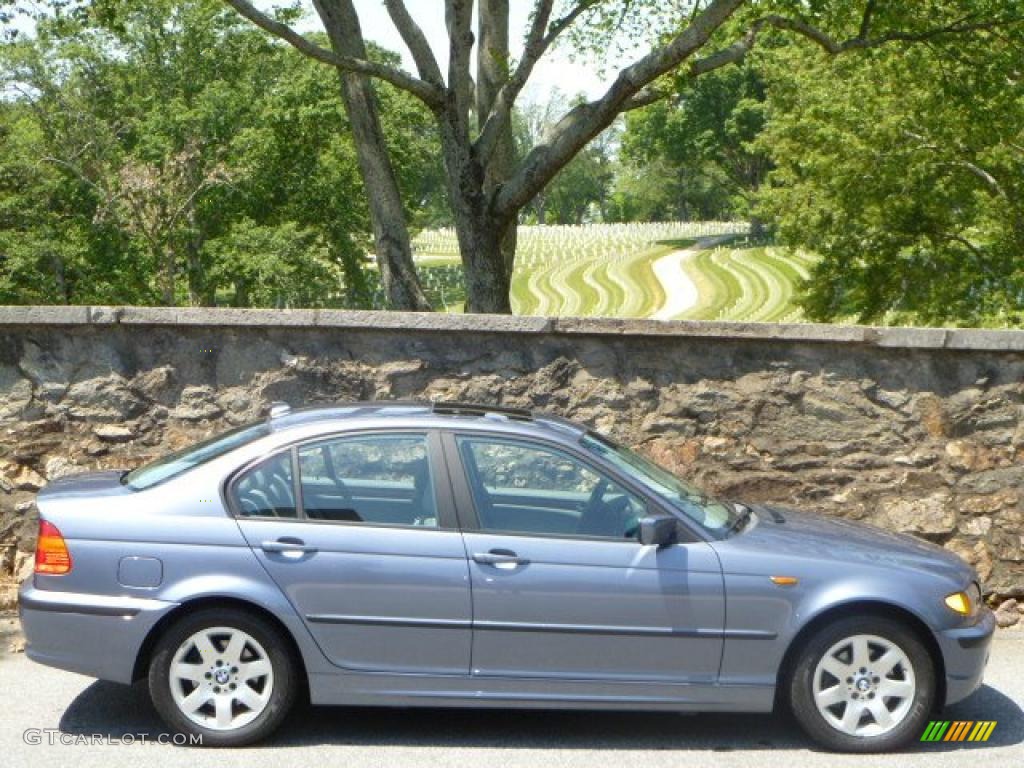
[(267, 489), (373, 479), (531, 489), (716, 517)]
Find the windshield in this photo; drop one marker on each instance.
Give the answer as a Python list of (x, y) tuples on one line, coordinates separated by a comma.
[(716, 517), (193, 455)]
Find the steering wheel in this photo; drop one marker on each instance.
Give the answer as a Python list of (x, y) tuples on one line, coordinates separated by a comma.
[(595, 498), (601, 517)]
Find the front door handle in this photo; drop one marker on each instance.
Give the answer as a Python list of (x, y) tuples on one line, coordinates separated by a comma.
[(287, 545), (499, 557)]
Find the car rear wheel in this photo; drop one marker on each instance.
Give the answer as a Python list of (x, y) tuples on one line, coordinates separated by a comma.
[(223, 674), (863, 684)]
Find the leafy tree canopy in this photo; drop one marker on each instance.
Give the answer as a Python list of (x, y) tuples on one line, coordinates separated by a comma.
[(904, 170), (143, 139)]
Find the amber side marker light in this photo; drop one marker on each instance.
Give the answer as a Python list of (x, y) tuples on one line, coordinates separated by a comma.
[(52, 556), (959, 602), (785, 581)]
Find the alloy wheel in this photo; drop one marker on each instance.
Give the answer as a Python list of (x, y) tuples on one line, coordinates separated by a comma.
[(221, 678), (864, 685)]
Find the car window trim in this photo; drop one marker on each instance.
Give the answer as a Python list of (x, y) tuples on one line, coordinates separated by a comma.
[(198, 465), (465, 504), (443, 494), (227, 487)]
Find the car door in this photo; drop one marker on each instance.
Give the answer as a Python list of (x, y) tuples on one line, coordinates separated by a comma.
[(359, 532), (562, 588)]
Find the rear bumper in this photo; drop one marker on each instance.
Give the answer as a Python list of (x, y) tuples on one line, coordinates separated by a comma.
[(965, 651), (95, 635)]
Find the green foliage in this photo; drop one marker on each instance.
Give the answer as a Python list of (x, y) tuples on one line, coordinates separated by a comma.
[(899, 159), (904, 169), (167, 151), (147, 139), (580, 191), (274, 265), (699, 146)]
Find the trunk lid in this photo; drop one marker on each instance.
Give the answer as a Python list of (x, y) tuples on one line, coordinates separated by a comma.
[(84, 485)]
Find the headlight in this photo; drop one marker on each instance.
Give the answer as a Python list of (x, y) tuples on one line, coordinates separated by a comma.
[(965, 603)]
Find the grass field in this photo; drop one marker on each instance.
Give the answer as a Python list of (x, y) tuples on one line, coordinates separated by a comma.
[(607, 270), (752, 284)]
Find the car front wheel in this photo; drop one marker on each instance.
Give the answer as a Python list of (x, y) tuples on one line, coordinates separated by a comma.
[(863, 684), (223, 675)]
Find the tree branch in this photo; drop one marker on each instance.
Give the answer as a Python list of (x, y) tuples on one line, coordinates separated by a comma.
[(539, 25), (459, 20), (644, 98), (539, 39), (957, 238), (428, 93), (566, 21), (735, 52), (729, 55), (990, 181), (501, 111), (585, 121), (986, 178), (416, 42), (865, 20), (862, 40)]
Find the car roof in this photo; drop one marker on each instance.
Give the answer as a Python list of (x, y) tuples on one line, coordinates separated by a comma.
[(424, 415)]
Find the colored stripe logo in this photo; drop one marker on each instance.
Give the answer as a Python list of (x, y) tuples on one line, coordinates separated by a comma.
[(958, 730)]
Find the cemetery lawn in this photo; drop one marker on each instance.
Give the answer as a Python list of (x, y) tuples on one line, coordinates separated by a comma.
[(607, 270)]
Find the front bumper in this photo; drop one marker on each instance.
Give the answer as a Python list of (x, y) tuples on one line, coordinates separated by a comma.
[(965, 651), (95, 635)]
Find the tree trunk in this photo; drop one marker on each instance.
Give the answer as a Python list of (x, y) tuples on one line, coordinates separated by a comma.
[(357, 292), (241, 298), (168, 260), (195, 278), (488, 282), (387, 215), (479, 233), (492, 73), (60, 278), (199, 293), (757, 228), (540, 209)]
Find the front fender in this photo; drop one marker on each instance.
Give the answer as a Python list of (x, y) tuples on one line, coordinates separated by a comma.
[(754, 604)]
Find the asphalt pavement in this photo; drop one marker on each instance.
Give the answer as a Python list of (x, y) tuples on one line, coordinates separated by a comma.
[(54, 718)]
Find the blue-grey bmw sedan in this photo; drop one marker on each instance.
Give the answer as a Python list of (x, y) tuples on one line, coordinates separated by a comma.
[(409, 554)]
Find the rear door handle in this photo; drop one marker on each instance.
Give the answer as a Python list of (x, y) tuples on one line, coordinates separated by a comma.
[(499, 557), (287, 546)]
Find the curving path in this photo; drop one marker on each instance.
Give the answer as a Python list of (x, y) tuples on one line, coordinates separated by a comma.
[(681, 292)]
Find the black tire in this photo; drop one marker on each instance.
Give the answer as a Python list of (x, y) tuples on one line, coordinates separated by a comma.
[(282, 696), (814, 723)]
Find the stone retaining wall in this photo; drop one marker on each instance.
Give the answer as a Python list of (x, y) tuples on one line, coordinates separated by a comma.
[(917, 430)]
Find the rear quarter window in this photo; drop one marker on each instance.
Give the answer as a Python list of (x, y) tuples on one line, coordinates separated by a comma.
[(192, 456)]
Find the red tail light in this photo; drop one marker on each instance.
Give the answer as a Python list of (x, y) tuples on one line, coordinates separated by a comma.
[(52, 556)]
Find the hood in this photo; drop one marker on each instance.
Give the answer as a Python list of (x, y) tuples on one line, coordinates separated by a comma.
[(822, 537), (83, 484)]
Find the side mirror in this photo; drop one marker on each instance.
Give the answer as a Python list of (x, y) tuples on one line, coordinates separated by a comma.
[(659, 530)]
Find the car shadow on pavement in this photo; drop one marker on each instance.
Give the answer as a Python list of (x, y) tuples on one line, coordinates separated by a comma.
[(113, 710)]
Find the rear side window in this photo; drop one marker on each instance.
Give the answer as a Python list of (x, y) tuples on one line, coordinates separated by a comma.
[(372, 479), (267, 489), (175, 463)]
